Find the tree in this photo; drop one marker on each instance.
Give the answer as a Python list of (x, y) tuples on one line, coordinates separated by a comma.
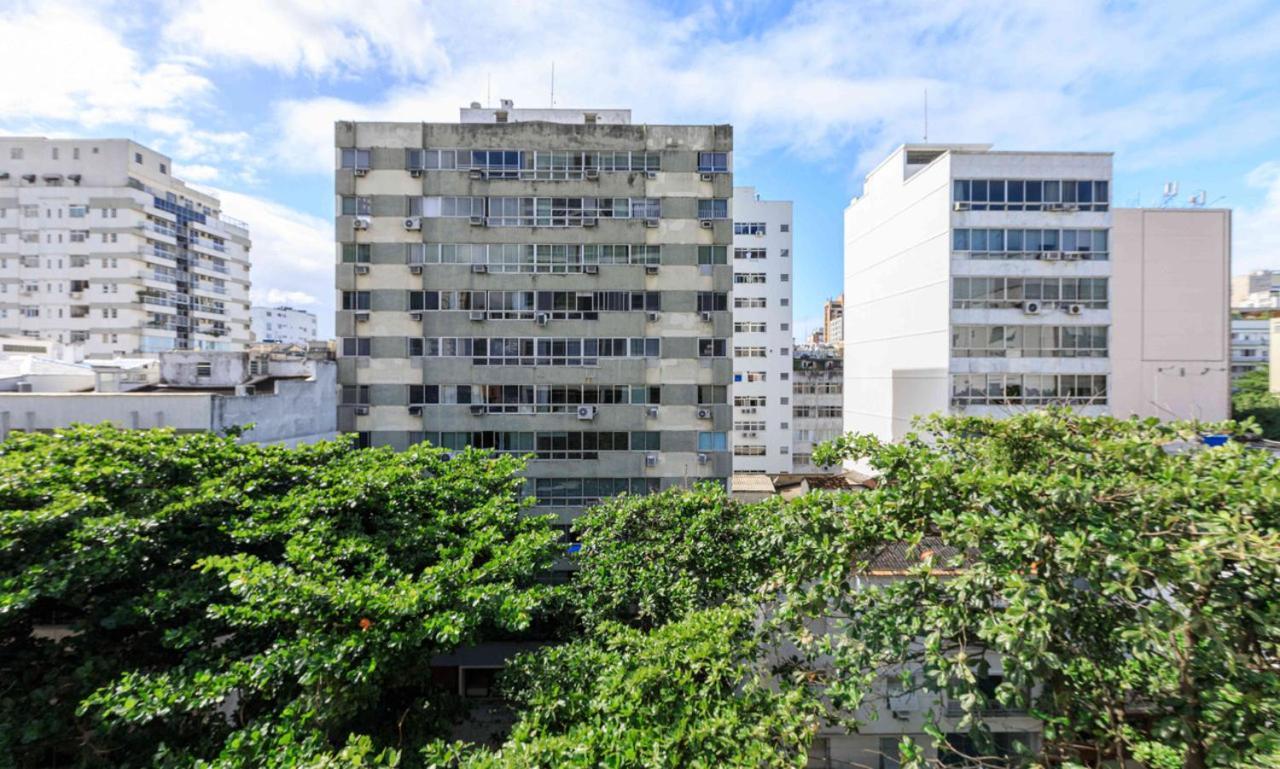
[(691, 693), (651, 559), (170, 600), (1124, 575), (1251, 398)]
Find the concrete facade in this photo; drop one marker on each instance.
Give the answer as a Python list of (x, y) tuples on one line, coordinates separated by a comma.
[(1170, 282), (762, 265), (817, 413), (101, 247), (288, 411), (539, 285), (283, 325)]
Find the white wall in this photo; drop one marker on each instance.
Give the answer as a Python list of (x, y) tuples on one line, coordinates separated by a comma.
[(1170, 290), (897, 298)]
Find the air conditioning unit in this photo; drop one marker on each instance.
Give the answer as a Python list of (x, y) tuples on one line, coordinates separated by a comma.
[(651, 269), (589, 221), (653, 317), (476, 173), (413, 222), (1071, 256), (1051, 256), (477, 314), (706, 317), (542, 318), (362, 316), (478, 410), (362, 269), (591, 269), (1074, 309), (415, 315), (25, 387), (361, 171), (707, 177), (961, 205), (592, 173), (706, 224), (748, 435), (1070, 207), (703, 459), (652, 411), (1031, 308), (1054, 207), (704, 413), (361, 222), (415, 411), (650, 460), (362, 410), (480, 268), (651, 174), (446, 456), (586, 413), (415, 269), (901, 715), (651, 223), (415, 173), (477, 221)]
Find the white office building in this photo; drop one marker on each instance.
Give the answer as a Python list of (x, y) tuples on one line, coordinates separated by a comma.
[(762, 265), (985, 282), (283, 325), (100, 246)]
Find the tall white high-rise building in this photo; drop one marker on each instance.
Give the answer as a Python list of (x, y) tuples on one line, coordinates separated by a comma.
[(283, 325), (101, 246), (985, 282), (762, 265)]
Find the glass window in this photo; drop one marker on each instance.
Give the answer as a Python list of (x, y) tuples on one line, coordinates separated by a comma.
[(714, 208), (713, 442), (713, 162)]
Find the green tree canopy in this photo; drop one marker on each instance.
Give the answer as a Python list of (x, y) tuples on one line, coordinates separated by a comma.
[(168, 599)]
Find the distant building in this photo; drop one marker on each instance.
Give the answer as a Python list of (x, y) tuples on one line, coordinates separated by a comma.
[(287, 399), (817, 409), (283, 325), (761, 390), (988, 283), (1250, 341), (102, 247), (833, 322), (1259, 289)]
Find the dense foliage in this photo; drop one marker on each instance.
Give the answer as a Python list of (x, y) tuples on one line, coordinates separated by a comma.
[(177, 600), (1251, 398), (196, 600)]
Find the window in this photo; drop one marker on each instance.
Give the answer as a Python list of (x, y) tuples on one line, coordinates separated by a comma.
[(713, 209), (749, 352), (749, 327), (77, 212), (355, 300), (712, 394), (15, 153), (355, 395), (1031, 195), (1052, 244), (204, 369), (749, 228), (713, 162), (360, 253), (355, 158), (1029, 341), (749, 451), (750, 401), (711, 348), (750, 302), (1028, 389), (355, 346), (137, 157), (712, 301), (785, 277), (356, 206), (1013, 292), (164, 169), (784, 228), (749, 277), (749, 253), (712, 255), (713, 441)]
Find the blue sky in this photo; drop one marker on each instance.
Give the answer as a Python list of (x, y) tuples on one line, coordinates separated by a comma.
[(243, 95)]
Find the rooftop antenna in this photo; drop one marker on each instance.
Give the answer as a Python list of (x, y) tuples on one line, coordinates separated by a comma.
[(1197, 200), (926, 114), (553, 85), (1170, 192)]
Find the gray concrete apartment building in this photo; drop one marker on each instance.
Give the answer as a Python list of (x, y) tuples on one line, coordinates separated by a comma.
[(540, 281)]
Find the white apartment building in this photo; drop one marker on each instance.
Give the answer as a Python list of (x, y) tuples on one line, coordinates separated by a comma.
[(101, 246), (761, 333), (1250, 342), (985, 282), (283, 325)]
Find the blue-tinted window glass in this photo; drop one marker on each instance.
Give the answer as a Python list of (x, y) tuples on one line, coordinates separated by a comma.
[(960, 240)]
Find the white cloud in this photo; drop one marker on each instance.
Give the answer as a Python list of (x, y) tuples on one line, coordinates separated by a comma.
[(292, 256), (316, 37), (66, 62), (1257, 228), (196, 173)]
